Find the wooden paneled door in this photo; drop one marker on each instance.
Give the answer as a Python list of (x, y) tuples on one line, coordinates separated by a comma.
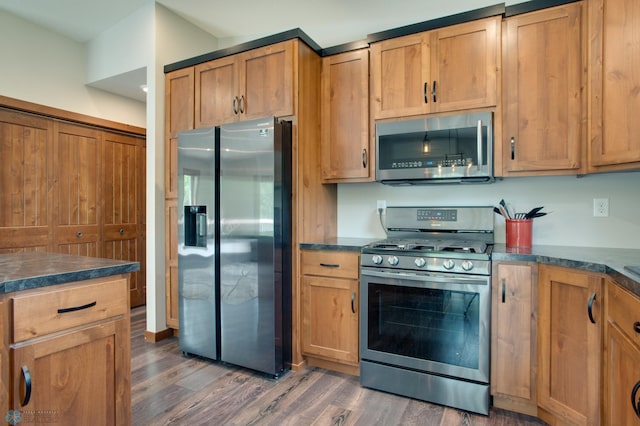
[(123, 208), (77, 190), (24, 182)]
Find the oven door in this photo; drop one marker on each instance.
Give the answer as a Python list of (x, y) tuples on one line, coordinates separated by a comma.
[(435, 323)]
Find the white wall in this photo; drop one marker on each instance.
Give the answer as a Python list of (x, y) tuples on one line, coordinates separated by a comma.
[(46, 68), (568, 199)]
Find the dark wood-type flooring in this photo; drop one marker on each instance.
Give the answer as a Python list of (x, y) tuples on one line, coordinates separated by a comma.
[(171, 389)]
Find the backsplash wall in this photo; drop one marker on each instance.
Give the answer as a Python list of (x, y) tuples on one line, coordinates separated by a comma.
[(568, 199)]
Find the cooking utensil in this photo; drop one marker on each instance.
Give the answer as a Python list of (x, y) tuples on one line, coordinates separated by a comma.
[(531, 213)]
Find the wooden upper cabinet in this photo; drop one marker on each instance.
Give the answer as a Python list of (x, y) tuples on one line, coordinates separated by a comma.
[(25, 198), (614, 63), (179, 116), (266, 81), (77, 179), (400, 71), (464, 65), (346, 148), (543, 75), (448, 69), (254, 84), (216, 91)]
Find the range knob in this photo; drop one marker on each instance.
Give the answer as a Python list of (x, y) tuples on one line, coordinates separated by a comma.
[(448, 264), (393, 260), (467, 265), (376, 259), (420, 262)]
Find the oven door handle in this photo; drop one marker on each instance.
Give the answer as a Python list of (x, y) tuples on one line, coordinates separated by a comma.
[(430, 278)]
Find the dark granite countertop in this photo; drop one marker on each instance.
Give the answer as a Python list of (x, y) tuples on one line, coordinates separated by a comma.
[(338, 244), (23, 271), (611, 261)]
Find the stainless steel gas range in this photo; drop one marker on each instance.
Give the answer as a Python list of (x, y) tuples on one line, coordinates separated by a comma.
[(425, 295)]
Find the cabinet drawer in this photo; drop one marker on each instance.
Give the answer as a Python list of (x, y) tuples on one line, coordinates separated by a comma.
[(331, 263), (47, 311), (624, 310)]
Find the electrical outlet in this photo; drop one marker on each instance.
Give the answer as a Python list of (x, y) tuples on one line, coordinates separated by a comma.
[(600, 207), (382, 204)]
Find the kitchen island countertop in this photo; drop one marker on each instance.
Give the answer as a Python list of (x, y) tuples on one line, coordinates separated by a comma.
[(24, 271)]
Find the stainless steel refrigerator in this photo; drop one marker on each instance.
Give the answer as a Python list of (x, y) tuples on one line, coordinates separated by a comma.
[(234, 254)]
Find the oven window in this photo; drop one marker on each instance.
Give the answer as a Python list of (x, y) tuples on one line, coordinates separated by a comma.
[(430, 324)]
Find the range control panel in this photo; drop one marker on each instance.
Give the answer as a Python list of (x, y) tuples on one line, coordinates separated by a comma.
[(437, 214)]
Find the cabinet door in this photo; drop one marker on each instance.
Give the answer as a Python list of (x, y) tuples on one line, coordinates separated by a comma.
[(77, 190), (569, 344), (25, 196), (79, 377), (543, 74), (345, 147), (400, 69), (464, 65), (266, 81), (123, 179), (513, 342), (179, 116), (623, 375), (330, 318), (217, 100), (614, 65)]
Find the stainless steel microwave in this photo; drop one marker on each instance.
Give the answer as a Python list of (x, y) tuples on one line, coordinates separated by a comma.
[(446, 149)]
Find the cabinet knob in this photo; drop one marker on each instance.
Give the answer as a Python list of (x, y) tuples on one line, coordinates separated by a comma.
[(636, 327), (79, 234), (121, 231)]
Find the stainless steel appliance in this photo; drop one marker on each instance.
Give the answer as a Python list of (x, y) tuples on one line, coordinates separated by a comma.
[(442, 149), (235, 249), (425, 297)]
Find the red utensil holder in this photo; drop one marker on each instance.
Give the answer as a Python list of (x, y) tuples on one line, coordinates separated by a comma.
[(519, 232)]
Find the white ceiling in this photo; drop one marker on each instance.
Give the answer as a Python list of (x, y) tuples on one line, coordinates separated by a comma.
[(327, 22)]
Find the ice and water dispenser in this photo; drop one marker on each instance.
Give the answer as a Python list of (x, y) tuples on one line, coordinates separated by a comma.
[(195, 226)]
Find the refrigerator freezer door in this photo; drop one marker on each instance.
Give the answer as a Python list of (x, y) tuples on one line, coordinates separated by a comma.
[(196, 242), (251, 241)]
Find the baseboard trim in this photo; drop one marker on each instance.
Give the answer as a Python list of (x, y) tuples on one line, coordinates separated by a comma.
[(155, 337)]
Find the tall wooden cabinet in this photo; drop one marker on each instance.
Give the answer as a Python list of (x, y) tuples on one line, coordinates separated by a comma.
[(347, 148), (614, 60), (72, 188), (570, 309), (447, 69), (514, 309), (544, 92), (622, 357), (281, 80)]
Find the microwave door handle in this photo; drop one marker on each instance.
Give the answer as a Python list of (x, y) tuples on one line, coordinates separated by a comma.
[(479, 138)]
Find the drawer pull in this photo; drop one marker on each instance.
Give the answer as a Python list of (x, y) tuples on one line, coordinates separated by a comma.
[(636, 327), (635, 402), (76, 308), (590, 307), (353, 300), (330, 265), (27, 385), (504, 290)]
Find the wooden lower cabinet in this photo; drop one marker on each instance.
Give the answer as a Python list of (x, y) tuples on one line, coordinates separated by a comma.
[(330, 309), (73, 367), (513, 344), (570, 312), (622, 357)]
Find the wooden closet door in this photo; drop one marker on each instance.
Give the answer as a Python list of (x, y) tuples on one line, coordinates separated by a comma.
[(123, 180), (24, 182), (76, 177)]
